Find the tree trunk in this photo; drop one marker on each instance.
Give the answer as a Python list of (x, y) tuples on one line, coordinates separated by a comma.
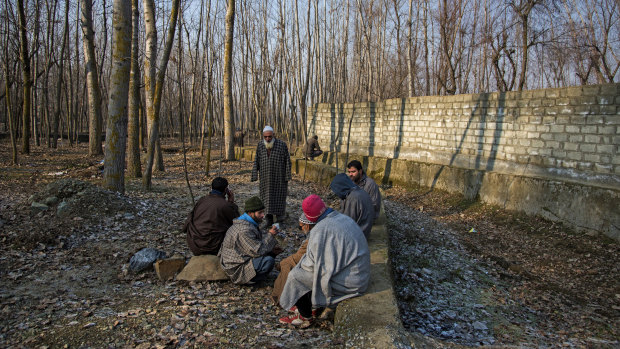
[(134, 167), (116, 131), (92, 81), (153, 111), (58, 106), (7, 90), (27, 82), (229, 122)]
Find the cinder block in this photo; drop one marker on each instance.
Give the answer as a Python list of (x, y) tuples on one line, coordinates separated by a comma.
[(588, 148), (574, 155), (571, 146), (604, 148)]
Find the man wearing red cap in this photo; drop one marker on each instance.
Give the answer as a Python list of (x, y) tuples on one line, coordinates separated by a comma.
[(336, 265)]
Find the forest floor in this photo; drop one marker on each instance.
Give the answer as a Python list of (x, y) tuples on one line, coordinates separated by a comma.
[(64, 279)]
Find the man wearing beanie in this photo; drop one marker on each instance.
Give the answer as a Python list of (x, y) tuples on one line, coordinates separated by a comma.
[(336, 265), (272, 166), (247, 254), (211, 217), (355, 202)]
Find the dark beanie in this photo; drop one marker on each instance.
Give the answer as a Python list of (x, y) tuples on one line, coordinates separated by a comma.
[(219, 184), (254, 204)]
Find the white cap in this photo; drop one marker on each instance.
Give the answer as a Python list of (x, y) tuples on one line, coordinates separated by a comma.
[(268, 128)]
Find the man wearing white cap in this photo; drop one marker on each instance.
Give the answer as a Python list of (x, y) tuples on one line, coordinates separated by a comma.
[(272, 166)]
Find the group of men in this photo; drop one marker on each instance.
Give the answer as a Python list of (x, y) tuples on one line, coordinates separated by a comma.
[(332, 264)]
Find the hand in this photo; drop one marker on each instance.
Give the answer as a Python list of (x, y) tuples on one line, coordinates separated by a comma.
[(231, 195), (277, 250), (273, 230)]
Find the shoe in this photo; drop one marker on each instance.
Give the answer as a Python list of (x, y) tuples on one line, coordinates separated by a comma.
[(293, 309), (296, 320)]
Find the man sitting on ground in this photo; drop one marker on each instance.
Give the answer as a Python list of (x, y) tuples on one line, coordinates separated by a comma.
[(359, 177), (212, 215), (312, 148), (247, 254), (336, 265), (355, 202)]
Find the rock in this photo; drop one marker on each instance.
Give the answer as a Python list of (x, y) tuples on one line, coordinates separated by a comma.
[(166, 269), (203, 268), (480, 326), (144, 259), (61, 210), (50, 200), (37, 207)]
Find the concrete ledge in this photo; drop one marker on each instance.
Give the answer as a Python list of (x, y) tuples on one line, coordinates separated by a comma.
[(373, 319)]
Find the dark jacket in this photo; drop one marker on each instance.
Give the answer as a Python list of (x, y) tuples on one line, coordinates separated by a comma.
[(356, 203), (311, 145), (206, 225)]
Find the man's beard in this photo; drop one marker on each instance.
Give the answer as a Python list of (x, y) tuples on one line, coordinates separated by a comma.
[(269, 145)]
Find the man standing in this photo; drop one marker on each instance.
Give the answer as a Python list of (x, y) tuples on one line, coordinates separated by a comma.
[(312, 148), (356, 203), (247, 255), (272, 166), (336, 265), (358, 176), (212, 215)]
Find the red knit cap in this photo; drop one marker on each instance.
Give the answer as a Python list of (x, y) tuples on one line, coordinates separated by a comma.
[(313, 207)]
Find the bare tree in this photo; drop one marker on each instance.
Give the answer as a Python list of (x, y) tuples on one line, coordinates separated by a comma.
[(229, 122), (134, 167), (153, 110), (27, 81), (116, 130), (523, 9), (7, 85), (92, 80)]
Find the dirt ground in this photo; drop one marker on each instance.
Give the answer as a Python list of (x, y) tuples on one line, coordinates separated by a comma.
[(65, 283)]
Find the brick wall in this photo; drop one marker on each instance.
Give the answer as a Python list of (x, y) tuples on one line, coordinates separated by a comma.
[(569, 134)]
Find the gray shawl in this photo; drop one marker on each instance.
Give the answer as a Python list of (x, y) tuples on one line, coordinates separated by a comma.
[(336, 265)]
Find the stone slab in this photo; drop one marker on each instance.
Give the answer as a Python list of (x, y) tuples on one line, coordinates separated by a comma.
[(203, 268), (166, 269)]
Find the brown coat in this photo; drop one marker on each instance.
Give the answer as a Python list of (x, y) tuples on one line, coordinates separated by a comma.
[(312, 145), (208, 222), (286, 265)]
